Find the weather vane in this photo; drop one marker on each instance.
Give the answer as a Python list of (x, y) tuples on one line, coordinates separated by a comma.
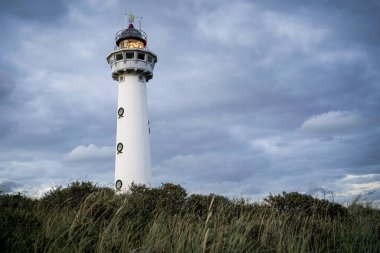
[(131, 19)]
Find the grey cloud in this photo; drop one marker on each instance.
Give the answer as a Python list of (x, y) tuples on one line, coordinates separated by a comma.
[(373, 197), (89, 153), (363, 178), (8, 186), (39, 10), (270, 88), (6, 86), (249, 115), (333, 122)]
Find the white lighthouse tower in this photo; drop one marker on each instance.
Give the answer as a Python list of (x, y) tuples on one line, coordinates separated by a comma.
[(132, 66)]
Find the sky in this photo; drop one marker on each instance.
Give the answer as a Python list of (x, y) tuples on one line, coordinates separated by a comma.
[(248, 97)]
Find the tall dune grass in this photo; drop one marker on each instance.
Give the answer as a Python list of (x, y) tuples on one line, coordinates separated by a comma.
[(86, 218)]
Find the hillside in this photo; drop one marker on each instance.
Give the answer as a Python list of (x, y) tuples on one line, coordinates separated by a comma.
[(85, 218)]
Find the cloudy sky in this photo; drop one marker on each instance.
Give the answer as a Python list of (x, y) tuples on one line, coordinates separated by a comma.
[(248, 97)]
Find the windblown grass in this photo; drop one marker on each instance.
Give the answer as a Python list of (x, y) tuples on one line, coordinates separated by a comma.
[(85, 218)]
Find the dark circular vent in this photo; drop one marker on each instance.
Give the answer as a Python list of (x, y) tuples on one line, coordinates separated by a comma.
[(120, 112), (118, 184), (119, 147)]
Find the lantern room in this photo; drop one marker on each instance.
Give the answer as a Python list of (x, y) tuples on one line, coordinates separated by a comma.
[(130, 38)]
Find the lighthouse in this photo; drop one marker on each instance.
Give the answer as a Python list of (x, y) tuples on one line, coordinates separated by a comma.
[(132, 67)]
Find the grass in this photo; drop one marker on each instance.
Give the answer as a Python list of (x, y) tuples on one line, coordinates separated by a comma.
[(86, 218)]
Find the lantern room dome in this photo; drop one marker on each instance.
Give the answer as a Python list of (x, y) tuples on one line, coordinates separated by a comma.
[(130, 33)]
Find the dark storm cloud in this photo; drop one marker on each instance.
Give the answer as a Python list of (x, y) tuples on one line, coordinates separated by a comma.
[(7, 186), (357, 21), (42, 11), (6, 85), (300, 67), (247, 97), (42, 105), (372, 197)]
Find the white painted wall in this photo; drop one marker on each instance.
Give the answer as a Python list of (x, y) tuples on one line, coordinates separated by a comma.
[(134, 163)]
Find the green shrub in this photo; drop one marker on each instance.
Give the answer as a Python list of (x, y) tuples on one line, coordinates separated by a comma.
[(199, 204), (17, 201), (168, 197), (19, 223), (303, 204), (71, 196)]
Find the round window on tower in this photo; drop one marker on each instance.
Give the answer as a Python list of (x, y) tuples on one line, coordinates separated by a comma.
[(120, 148), (120, 112), (118, 184)]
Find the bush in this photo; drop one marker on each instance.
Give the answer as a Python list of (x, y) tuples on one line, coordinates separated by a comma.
[(16, 201), (170, 198), (166, 198), (303, 204), (71, 196), (19, 223), (199, 204)]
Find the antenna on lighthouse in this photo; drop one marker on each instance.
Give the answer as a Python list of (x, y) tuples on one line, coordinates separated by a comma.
[(125, 20), (139, 18)]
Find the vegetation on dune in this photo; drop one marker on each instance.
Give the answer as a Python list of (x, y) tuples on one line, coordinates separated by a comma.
[(85, 218)]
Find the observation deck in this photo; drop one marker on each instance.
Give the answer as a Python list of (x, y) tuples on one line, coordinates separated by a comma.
[(131, 61)]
